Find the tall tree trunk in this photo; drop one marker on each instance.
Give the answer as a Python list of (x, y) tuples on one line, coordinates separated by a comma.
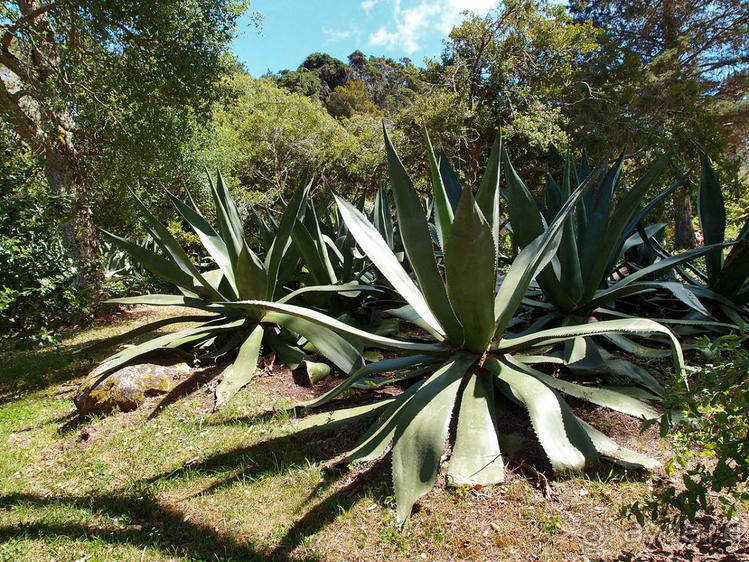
[(683, 230), (62, 169)]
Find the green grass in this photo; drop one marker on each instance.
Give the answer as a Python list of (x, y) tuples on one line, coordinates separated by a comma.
[(182, 483)]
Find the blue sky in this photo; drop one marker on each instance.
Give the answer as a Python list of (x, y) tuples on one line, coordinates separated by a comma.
[(292, 29)]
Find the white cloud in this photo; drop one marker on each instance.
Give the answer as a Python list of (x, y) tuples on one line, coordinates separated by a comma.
[(367, 5), (410, 25), (337, 34)]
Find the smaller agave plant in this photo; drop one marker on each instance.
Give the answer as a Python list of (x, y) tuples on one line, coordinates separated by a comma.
[(586, 280), (473, 354), (240, 274), (595, 236), (726, 274), (723, 284)]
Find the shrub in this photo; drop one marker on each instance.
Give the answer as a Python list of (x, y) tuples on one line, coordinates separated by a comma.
[(37, 277), (713, 429)]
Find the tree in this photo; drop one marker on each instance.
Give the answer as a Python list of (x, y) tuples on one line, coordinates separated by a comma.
[(270, 141), (674, 77), (88, 81), (391, 84), (316, 77), (352, 98), (517, 68)]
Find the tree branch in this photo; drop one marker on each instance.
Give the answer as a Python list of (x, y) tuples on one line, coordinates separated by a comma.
[(23, 124), (10, 30)]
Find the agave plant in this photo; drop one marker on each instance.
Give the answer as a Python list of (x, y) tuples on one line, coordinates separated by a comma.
[(240, 275), (472, 353), (722, 285), (587, 280), (594, 237)]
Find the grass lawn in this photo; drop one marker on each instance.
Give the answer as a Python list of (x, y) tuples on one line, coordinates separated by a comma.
[(174, 481)]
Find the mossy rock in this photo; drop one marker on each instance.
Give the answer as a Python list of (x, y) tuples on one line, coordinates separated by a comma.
[(128, 387)]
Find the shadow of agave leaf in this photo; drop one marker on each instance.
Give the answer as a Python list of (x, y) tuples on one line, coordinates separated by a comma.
[(273, 456), (189, 386), (154, 525), (341, 499)]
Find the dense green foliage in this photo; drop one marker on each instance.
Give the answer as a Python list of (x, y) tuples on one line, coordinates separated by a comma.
[(98, 89), (711, 438)]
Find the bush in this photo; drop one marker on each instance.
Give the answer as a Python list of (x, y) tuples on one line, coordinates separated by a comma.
[(712, 426), (37, 277)]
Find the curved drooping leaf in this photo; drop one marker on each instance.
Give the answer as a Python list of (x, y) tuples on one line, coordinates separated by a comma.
[(605, 327), (336, 418), (626, 344), (346, 289), (171, 300), (563, 439), (476, 458), (129, 354), (408, 314), (612, 451), (384, 366), (331, 345), (635, 239), (597, 395), (241, 372), (626, 286), (421, 433), (144, 329), (380, 434), (681, 292), (637, 374)]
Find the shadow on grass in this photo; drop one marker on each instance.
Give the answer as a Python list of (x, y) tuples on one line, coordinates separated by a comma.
[(28, 369), (162, 526), (32, 370), (155, 525), (335, 504), (270, 457), (159, 525)]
